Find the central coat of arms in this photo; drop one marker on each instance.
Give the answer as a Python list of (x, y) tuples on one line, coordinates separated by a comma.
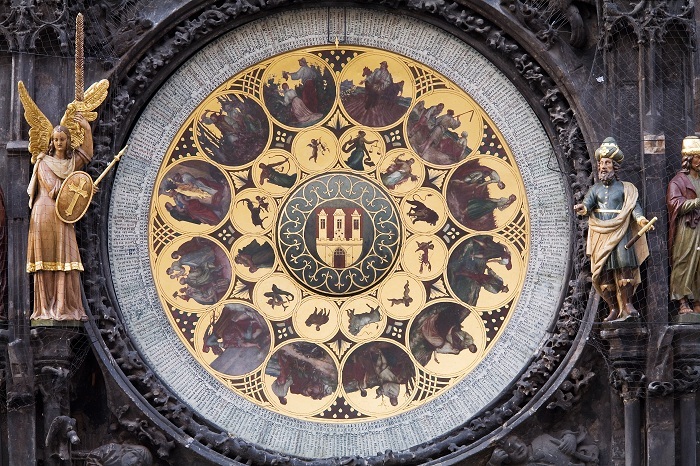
[(339, 234), (339, 238)]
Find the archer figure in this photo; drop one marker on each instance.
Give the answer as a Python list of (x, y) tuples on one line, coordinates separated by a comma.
[(269, 172)]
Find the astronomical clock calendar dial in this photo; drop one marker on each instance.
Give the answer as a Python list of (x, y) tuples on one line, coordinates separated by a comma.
[(337, 239)]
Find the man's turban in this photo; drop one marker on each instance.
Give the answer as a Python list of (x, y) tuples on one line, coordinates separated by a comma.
[(609, 150), (691, 146)]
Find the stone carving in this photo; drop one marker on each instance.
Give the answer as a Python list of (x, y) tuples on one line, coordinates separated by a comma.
[(686, 359), (115, 454), (114, 27), (20, 391), (133, 89), (649, 20), (141, 429), (570, 391), (627, 354), (629, 382), (61, 437), (540, 17), (115, 23), (657, 388), (566, 448), (686, 378), (23, 23)]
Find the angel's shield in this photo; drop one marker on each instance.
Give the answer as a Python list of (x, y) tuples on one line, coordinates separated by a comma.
[(74, 197)]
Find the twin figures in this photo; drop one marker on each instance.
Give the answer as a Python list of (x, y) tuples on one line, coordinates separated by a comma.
[(616, 243)]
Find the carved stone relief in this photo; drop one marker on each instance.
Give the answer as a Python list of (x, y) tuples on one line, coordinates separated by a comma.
[(563, 449), (545, 19), (649, 20)]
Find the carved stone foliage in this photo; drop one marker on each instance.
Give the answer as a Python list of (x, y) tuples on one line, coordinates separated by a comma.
[(111, 28), (686, 378), (686, 359), (627, 357), (545, 19), (570, 391), (629, 382), (686, 364), (139, 82), (649, 20)]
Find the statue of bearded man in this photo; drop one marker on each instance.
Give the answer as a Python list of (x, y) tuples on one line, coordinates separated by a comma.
[(614, 216)]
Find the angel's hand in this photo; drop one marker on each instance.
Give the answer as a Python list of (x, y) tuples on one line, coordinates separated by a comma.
[(82, 121)]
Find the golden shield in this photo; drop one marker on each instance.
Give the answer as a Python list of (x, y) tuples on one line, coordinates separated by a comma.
[(74, 197)]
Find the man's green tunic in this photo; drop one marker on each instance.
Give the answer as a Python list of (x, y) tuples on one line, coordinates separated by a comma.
[(605, 202)]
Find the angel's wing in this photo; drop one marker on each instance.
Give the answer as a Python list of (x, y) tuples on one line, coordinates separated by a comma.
[(76, 132), (40, 127), (94, 96)]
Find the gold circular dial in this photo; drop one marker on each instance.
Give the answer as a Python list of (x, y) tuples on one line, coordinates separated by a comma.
[(339, 234)]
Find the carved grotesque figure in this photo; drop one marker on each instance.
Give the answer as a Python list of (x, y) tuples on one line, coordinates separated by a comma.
[(567, 449)]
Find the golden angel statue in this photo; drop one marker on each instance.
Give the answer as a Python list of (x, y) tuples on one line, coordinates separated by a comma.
[(52, 250)]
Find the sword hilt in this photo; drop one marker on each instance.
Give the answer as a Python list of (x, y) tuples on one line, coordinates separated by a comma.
[(641, 232)]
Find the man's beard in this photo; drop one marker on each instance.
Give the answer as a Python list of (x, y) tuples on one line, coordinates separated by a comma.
[(606, 178)]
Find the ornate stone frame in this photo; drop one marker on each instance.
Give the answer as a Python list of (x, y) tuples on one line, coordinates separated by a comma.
[(163, 419)]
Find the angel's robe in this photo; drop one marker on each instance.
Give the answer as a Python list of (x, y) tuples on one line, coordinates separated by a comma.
[(52, 249)]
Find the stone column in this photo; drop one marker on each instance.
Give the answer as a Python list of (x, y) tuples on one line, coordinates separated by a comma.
[(686, 374), (52, 362), (21, 415), (627, 355), (4, 333)]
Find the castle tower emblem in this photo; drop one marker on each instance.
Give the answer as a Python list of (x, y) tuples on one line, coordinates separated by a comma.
[(339, 235)]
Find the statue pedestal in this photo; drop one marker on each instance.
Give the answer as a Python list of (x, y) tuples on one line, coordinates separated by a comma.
[(690, 318), (56, 323), (628, 344)]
